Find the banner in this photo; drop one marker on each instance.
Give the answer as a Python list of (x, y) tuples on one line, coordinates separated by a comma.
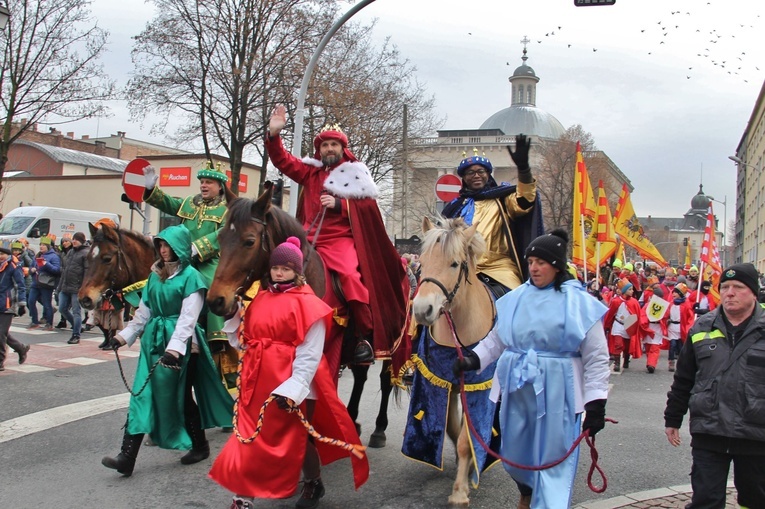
[(627, 226), (585, 212), (604, 231), (656, 308), (710, 256), (688, 254)]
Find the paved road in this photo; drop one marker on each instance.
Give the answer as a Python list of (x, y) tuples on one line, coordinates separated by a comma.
[(63, 410)]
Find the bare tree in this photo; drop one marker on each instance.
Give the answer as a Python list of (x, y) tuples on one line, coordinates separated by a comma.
[(50, 70), (223, 64)]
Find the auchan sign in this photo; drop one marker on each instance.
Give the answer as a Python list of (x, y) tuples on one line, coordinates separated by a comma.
[(175, 177), (242, 181)]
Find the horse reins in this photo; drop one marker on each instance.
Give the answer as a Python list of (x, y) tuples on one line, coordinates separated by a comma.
[(585, 435), (449, 295)]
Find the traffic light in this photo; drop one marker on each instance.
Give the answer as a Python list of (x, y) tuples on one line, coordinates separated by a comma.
[(127, 200), (588, 3)]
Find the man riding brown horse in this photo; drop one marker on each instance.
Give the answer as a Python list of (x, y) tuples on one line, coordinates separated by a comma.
[(339, 211)]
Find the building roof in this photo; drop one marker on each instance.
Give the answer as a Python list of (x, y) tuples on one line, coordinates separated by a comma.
[(69, 156), (524, 70), (528, 120)]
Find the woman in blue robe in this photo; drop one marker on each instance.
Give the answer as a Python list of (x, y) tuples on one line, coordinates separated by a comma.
[(553, 365)]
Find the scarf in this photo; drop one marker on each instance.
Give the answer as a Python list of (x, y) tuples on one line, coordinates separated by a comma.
[(165, 269), (212, 202), (464, 204), (280, 287)]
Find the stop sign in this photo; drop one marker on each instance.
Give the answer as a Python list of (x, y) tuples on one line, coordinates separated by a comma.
[(448, 187), (133, 181)]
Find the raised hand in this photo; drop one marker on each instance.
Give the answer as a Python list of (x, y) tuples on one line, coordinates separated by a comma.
[(150, 174), (521, 155), (278, 120)]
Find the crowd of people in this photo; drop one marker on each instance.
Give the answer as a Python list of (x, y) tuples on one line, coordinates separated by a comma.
[(556, 338)]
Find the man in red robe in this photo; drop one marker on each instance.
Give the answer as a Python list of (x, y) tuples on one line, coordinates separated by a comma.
[(339, 194)]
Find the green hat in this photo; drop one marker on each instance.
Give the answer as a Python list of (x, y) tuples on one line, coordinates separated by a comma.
[(45, 240), (208, 172), (17, 245), (617, 263)]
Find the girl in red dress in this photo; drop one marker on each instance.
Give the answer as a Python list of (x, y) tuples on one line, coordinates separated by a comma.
[(282, 337)]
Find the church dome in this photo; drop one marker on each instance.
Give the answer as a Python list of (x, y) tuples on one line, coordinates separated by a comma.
[(528, 120), (524, 70), (700, 201)]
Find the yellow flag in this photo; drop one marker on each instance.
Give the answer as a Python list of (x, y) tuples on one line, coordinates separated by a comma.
[(687, 254), (585, 212), (627, 226), (604, 231)]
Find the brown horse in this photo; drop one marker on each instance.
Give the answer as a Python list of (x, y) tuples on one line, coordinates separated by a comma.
[(448, 284), (117, 258), (252, 230)]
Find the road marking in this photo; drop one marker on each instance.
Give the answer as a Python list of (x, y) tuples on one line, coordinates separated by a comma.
[(57, 344), (46, 419), (29, 368), (83, 361), (32, 332)]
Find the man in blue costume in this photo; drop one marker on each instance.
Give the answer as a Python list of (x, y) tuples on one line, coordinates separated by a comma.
[(508, 217)]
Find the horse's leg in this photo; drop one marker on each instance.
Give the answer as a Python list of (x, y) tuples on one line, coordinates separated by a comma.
[(360, 373), (461, 489), (378, 437)]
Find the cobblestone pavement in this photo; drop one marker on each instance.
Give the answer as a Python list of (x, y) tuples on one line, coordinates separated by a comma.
[(670, 498)]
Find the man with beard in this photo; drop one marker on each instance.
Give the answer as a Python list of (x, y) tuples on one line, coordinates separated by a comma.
[(338, 209), (508, 217)]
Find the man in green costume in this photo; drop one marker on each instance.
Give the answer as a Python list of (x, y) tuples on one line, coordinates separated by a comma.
[(203, 215), (174, 357)]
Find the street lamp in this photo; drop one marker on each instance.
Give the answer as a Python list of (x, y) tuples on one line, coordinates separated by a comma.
[(725, 228), (297, 137), (5, 15), (739, 161)]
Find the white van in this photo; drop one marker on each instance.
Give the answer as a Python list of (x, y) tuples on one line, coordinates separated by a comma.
[(32, 223)]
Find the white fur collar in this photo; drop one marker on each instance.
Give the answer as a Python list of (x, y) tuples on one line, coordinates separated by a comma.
[(313, 162), (351, 180)]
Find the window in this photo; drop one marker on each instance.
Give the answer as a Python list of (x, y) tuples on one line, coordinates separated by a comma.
[(43, 225), (14, 225), (167, 220)]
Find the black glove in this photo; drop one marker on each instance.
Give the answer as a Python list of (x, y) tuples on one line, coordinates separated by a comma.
[(699, 311), (169, 360), (469, 362), (283, 402), (595, 418), (22, 310), (521, 158)]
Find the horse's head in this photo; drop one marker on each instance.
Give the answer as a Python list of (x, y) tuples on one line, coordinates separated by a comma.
[(245, 246), (448, 260), (116, 259)]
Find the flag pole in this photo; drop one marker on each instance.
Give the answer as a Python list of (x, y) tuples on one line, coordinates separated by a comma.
[(584, 248), (597, 262)]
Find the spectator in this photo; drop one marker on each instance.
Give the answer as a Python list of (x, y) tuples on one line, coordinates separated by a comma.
[(719, 378), (45, 279), (11, 282), (73, 270)]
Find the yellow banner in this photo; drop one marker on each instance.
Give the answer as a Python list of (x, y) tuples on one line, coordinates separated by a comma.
[(585, 213), (604, 232), (627, 226)]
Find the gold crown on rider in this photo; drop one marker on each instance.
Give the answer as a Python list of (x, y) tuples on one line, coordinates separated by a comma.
[(216, 173), (331, 127)]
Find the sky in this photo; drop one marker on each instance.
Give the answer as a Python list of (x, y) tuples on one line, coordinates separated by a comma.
[(665, 87)]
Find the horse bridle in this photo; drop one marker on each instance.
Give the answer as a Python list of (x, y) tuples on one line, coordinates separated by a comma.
[(450, 295), (112, 290), (264, 242)]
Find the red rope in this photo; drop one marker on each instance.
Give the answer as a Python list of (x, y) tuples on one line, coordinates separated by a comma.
[(584, 436)]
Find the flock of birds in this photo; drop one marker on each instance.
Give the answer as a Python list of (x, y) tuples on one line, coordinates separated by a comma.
[(712, 46)]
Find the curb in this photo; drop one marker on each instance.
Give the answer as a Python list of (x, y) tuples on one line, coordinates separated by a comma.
[(659, 497)]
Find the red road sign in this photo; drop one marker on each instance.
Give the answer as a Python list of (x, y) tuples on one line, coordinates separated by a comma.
[(133, 181), (448, 187)]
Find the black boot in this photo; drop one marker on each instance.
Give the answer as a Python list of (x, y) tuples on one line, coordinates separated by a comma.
[(312, 491), (615, 359), (626, 364), (200, 447), (364, 354), (125, 460)]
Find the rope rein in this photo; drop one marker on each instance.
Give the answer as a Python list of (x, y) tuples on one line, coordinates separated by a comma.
[(356, 449), (124, 380), (585, 435)]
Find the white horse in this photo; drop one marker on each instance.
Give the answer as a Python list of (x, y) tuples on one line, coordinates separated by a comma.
[(449, 284)]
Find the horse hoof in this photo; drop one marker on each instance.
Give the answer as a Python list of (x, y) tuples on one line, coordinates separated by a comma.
[(459, 498), (377, 440)]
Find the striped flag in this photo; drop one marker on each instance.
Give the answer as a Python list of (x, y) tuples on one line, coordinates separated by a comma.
[(604, 232), (585, 213), (710, 256)]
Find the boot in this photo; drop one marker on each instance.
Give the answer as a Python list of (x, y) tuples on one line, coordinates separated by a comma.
[(524, 502), (125, 460), (312, 492), (617, 366), (200, 447), (364, 354), (671, 366), (61, 324), (626, 364)]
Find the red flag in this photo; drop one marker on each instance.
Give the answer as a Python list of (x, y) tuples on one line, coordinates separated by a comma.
[(710, 256)]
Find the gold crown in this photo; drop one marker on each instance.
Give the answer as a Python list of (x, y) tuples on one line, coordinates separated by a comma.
[(331, 127)]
